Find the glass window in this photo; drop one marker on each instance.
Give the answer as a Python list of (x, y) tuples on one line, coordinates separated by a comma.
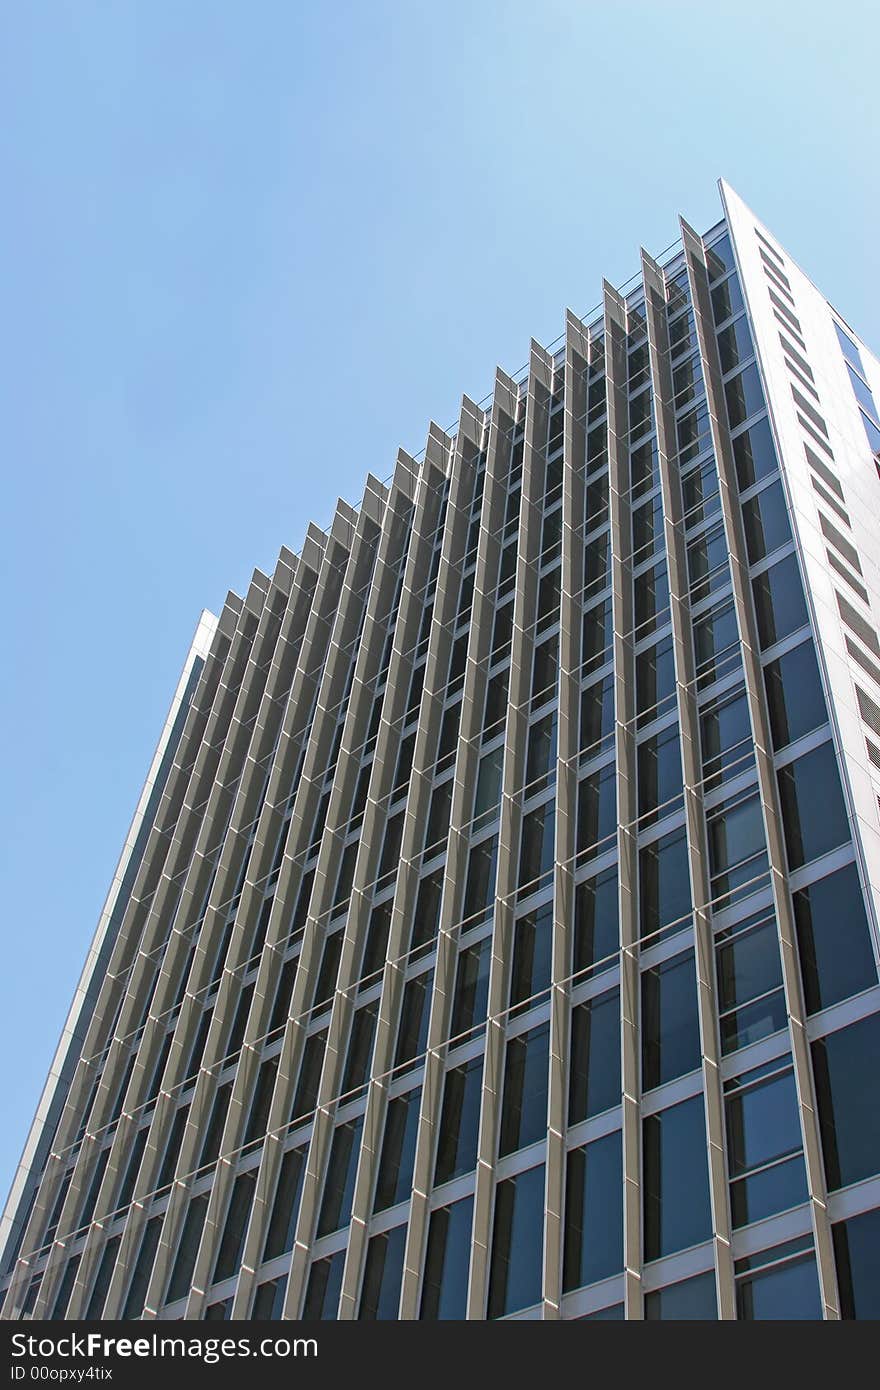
[(360, 1047), (719, 258), (594, 1081), (479, 893), (536, 846), (785, 1291), (664, 885), (727, 299), (329, 970), (735, 344), (660, 778), (751, 999), (597, 561), (437, 829), (324, 1288), (754, 454), (426, 921), (670, 1023), (269, 1300), (655, 680), (593, 1213), (597, 810), (524, 1105), (700, 496), (412, 1035), (488, 795), (394, 1180), (737, 848), (716, 644), (232, 1244), (725, 738), (341, 1171), (517, 1243), (532, 943), (541, 758), (597, 635), (309, 1075), (544, 671), (857, 1254), (459, 1122), (764, 1144), (596, 922), (285, 1208), (675, 1179), (691, 1300), (650, 599), (848, 347), (779, 601), (188, 1249), (813, 811), (834, 939), (447, 1262), (862, 393), (471, 987), (708, 568), (765, 517), (744, 395), (848, 1093), (383, 1275), (794, 695), (597, 714)]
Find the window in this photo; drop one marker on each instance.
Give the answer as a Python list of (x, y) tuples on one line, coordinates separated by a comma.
[(383, 1274), (670, 1023), (779, 601), (716, 644), (517, 1243), (488, 794), (675, 1179), (597, 810), (341, 1171), (655, 681), (524, 1104), (437, 829), (754, 454), (541, 759), (751, 999), (848, 1093), (532, 942), (834, 939), (700, 496), (188, 1249), (459, 1122), (813, 811), (725, 738), (594, 1083), (309, 1075), (650, 599), (447, 1262), (691, 1300), (848, 348), (426, 919), (735, 344), (258, 1119), (536, 847), (596, 922), (856, 1246), (593, 1213), (765, 517), (479, 893), (737, 849), (708, 569), (326, 985), (597, 714), (232, 1244), (727, 300), (794, 695), (764, 1144), (471, 987), (394, 1180), (597, 635), (269, 1300), (324, 1288), (660, 779), (285, 1208), (412, 1035), (544, 671), (664, 885), (783, 1287), (360, 1048)]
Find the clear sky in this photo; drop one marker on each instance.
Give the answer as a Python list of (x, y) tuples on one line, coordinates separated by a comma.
[(250, 249)]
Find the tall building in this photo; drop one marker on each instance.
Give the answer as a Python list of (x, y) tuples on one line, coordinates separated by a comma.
[(497, 934)]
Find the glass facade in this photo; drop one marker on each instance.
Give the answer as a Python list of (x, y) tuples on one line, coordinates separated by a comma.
[(506, 858)]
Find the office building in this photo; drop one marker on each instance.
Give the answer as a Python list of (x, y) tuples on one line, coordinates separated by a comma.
[(497, 933)]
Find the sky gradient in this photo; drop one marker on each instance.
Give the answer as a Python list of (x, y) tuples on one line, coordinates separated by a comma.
[(249, 250)]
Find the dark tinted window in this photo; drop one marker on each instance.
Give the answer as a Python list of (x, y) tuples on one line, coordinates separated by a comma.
[(834, 939), (524, 1105), (594, 1076), (813, 810), (517, 1243), (676, 1179), (857, 1253), (779, 601), (670, 1025), (794, 695), (593, 1213), (848, 1093)]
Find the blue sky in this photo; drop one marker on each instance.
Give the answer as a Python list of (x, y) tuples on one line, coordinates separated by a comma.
[(248, 250)]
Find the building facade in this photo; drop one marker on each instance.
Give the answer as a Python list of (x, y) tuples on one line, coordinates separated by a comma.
[(497, 935)]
